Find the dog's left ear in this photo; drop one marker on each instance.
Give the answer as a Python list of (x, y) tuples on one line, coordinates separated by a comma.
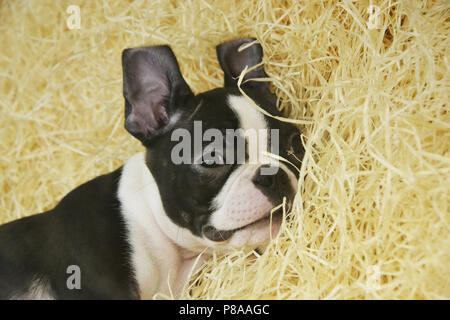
[(235, 55), (154, 90)]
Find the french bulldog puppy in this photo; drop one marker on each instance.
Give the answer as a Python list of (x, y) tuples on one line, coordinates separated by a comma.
[(207, 182)]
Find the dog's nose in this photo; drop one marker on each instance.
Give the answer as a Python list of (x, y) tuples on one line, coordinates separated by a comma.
[(275, 184)]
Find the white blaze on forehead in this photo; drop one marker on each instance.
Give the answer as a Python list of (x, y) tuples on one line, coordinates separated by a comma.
[(254, 125)]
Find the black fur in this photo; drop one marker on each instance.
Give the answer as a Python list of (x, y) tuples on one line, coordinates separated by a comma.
[(78, 231)]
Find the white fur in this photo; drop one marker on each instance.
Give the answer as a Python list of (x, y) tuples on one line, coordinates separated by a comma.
[(161, 264), (38, 290)]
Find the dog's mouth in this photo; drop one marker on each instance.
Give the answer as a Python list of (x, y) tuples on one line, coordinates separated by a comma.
[(217, 235)]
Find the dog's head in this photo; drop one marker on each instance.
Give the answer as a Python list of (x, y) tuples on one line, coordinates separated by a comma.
[(212, 154)]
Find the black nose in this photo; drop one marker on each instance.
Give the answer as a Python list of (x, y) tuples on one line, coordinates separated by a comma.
[(274, 184)]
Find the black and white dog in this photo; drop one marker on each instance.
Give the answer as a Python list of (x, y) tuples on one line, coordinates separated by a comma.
[(141, 229)]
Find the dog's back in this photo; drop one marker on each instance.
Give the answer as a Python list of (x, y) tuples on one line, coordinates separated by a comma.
[(37, 251)]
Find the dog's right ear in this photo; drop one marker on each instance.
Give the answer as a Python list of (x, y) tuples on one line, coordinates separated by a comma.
[(154, 89), (235, 55)]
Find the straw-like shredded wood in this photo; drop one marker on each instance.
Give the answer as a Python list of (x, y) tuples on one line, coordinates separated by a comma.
[(370, 86)]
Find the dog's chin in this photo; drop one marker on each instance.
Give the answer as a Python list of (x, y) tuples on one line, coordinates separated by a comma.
[(253, 234)]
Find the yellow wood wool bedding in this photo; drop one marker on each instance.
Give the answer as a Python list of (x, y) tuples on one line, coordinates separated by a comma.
[(370, 87)]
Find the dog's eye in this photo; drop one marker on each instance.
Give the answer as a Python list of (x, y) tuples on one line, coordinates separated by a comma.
[(212, 158), (295, 143)]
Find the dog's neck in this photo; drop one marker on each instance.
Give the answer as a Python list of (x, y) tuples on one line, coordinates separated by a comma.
[(163, 254)]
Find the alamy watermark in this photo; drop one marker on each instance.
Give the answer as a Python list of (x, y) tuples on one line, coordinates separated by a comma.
[(74, 279), (374, 21), (74, 19), (227, 147), (373, 278)]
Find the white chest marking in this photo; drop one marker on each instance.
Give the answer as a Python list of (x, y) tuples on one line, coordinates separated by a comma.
[(158, 261)]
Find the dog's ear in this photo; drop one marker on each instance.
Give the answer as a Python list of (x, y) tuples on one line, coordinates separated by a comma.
[(154, 89), (235, 55)]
